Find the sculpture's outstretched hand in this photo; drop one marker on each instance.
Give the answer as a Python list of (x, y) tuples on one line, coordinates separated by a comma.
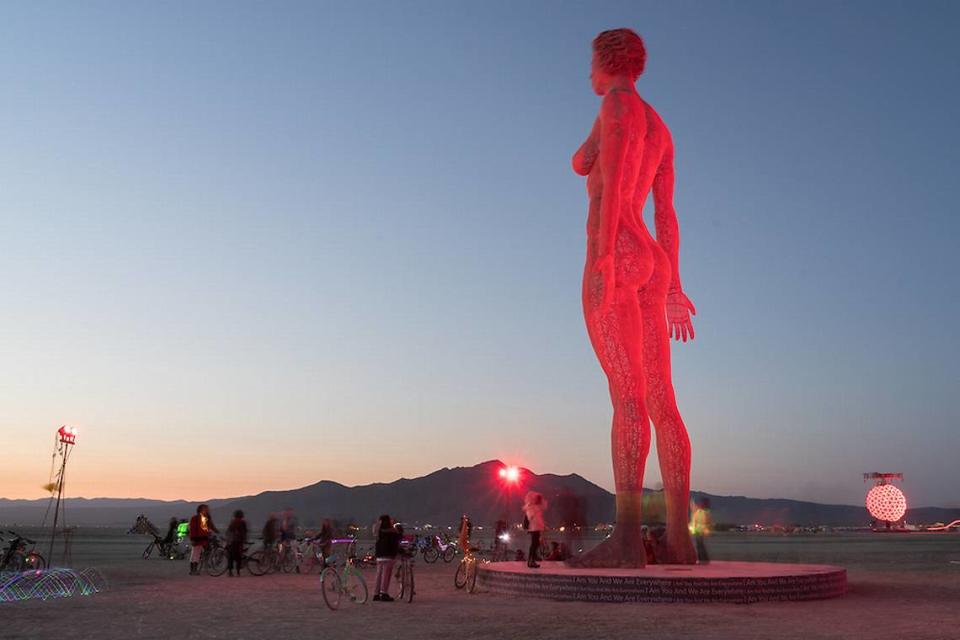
[(679, 310)]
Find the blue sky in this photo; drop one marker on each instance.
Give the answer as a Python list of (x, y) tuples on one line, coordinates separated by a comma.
[(248, 246)]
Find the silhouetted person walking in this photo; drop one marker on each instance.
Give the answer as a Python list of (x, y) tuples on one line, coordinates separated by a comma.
[(533, 507), (236, 540), (701, 528)]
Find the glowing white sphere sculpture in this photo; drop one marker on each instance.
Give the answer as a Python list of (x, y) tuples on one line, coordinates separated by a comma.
[(886, 502)]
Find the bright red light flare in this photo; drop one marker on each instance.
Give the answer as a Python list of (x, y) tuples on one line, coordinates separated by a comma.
[(510, 474), (886, 502)]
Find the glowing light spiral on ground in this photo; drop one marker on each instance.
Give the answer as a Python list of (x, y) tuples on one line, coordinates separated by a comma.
[(886, 502), (49, 583)]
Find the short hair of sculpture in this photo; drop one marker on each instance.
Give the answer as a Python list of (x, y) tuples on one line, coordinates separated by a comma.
[(620, 52)]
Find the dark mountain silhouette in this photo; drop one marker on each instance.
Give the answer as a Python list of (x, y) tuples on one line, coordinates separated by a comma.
[(439, 499)]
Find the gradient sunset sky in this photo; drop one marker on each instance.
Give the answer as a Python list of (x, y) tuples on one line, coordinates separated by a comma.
[(249, 246)]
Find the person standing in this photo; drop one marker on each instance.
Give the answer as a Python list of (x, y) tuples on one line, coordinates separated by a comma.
[(463, 534), (500, 538), (325, 540), (701, 524), (269, 534), (236, 540), (534, 505), (387, 548), (288, 530), (201, 526)]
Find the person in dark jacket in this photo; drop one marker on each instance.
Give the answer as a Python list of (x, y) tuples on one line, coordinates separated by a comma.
[(236, 541), (201, 527), (387, 548), (326, 539)]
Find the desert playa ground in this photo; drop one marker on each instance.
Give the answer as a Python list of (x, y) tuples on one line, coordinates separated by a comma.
[(900, 586)]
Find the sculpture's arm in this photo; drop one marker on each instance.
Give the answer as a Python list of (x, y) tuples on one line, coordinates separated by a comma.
[(679, 307), (586, 155), (665, 216)]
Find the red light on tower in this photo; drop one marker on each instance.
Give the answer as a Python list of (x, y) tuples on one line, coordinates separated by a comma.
[(68, 435)]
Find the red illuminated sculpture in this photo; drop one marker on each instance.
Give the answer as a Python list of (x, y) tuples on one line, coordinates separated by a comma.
[(632, 299)]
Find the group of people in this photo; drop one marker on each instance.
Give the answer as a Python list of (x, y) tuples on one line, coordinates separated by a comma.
[(534, 506), (278, 531), (281, 530)]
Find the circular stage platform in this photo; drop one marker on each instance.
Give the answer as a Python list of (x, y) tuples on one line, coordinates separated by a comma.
[(718, 581)]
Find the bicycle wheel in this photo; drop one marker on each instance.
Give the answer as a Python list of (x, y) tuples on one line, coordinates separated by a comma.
[(460, 578), (255, 564), (216, 561), (472, 575), (406, 589), (449, 553), (356, 586), (311, 559), (148, 550), (34, 562), (288, 561), (430, 555), (400, 579), (331, 587)]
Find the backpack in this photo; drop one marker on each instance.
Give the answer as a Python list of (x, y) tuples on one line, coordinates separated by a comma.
[(526, 522)]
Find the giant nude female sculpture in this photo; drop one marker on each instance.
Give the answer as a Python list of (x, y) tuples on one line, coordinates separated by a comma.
[(632, 299)]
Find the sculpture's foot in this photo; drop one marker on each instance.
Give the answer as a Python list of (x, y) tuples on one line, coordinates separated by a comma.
[(617, 551), (678, 547)]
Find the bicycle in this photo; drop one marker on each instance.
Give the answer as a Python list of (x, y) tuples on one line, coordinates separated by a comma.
[(169, 550), (213, 559), (446, 549), (466, 575), (404, 576), (310, 555), (419, 544), (275, 557), (17, 559), (350, 581)]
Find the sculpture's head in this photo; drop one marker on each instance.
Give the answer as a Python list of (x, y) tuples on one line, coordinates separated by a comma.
[(617, 53)]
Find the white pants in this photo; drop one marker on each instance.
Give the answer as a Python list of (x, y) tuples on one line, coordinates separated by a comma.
[(384, 571)]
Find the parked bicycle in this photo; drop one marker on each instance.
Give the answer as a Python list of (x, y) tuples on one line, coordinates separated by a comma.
[(17, 558), (274, 558), (348, 582), (310, 555), (404, 575), (213, 560), (418, 544), (466, 575), (445, 548)]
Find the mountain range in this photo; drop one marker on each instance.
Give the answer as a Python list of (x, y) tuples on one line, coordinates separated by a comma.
[(439, 498)]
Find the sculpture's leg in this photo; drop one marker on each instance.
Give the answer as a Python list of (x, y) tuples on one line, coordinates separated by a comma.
[(673, 444), (618, 341)]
